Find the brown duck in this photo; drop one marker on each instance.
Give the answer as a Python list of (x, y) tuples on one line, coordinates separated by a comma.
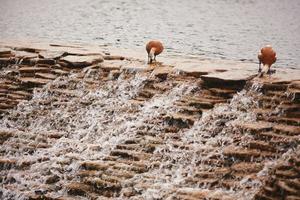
[(267, 57), (153, 48)]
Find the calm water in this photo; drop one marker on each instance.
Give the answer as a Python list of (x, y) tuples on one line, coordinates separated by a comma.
[(225, 29)]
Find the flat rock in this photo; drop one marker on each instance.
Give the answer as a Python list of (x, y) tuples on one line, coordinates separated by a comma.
[(216, 68), (5, 51), (162, 72), (111, 65), (59, 71), (45, 61), (52, 54), (27, 49), (282, 75), (24, 54), (287, 129), (82, 61), (257, 126), (135, 66), (5, 61), (244, 154), (38, 81), (110, 57), (33, 69), (46, 75)]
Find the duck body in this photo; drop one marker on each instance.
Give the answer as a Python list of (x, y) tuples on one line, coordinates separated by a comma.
[(153, 49), (267, 57)]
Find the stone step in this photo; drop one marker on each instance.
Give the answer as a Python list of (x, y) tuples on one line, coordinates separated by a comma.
[(292, 110), (122, 174), (129, 146), (137, 101), (246, 154), (295, 92), (261, 196), (274, 87), (294, 84), (287, 174), (226, 93), (129, 167), (201, 104), (60, 71), (246, 167), (287, 129), (16, 97), (94, 165), (270, 100), (205, 98), (294, 183), (79, 189), (256, 127), (189, 110), (161, 87), (180, 120), (4, 51), (45, 75), (261, 145), (4, 61), (33, 70), (276, 94), (7, 106), (7, 86), (130, 155), (9, 101), (74, 61), (54, 197), (284, 187), (218, 173), (148, 93), (47, 61), (284, 120), (275, 138), (35, 81), (22, 93)]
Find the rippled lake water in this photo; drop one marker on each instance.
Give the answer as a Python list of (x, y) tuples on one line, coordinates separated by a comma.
[(223, 29)]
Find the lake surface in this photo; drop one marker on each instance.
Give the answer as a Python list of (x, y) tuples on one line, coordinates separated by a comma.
[(217, 29)]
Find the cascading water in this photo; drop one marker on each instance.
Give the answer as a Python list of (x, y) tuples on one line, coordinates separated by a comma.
[(142, 135), (206, 139), (91, 121)]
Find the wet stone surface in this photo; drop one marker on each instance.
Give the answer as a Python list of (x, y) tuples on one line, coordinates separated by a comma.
[(118, 129)]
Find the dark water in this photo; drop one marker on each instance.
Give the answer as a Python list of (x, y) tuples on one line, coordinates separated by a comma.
[(226, 29)]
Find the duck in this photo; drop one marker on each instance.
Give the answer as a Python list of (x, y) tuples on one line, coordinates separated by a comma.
[(267, 57), (154, 48)]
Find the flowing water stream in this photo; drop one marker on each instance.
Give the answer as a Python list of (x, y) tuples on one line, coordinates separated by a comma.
[(206, 139), (91, 121)]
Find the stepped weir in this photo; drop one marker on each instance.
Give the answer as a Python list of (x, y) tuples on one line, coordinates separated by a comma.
[(77, 125)]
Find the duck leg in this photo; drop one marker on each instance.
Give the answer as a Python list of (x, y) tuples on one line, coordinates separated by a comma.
[(149, 59), (259, 67)]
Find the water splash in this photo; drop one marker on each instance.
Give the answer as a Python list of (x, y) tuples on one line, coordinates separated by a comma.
[(89, 121), (206, 139)]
